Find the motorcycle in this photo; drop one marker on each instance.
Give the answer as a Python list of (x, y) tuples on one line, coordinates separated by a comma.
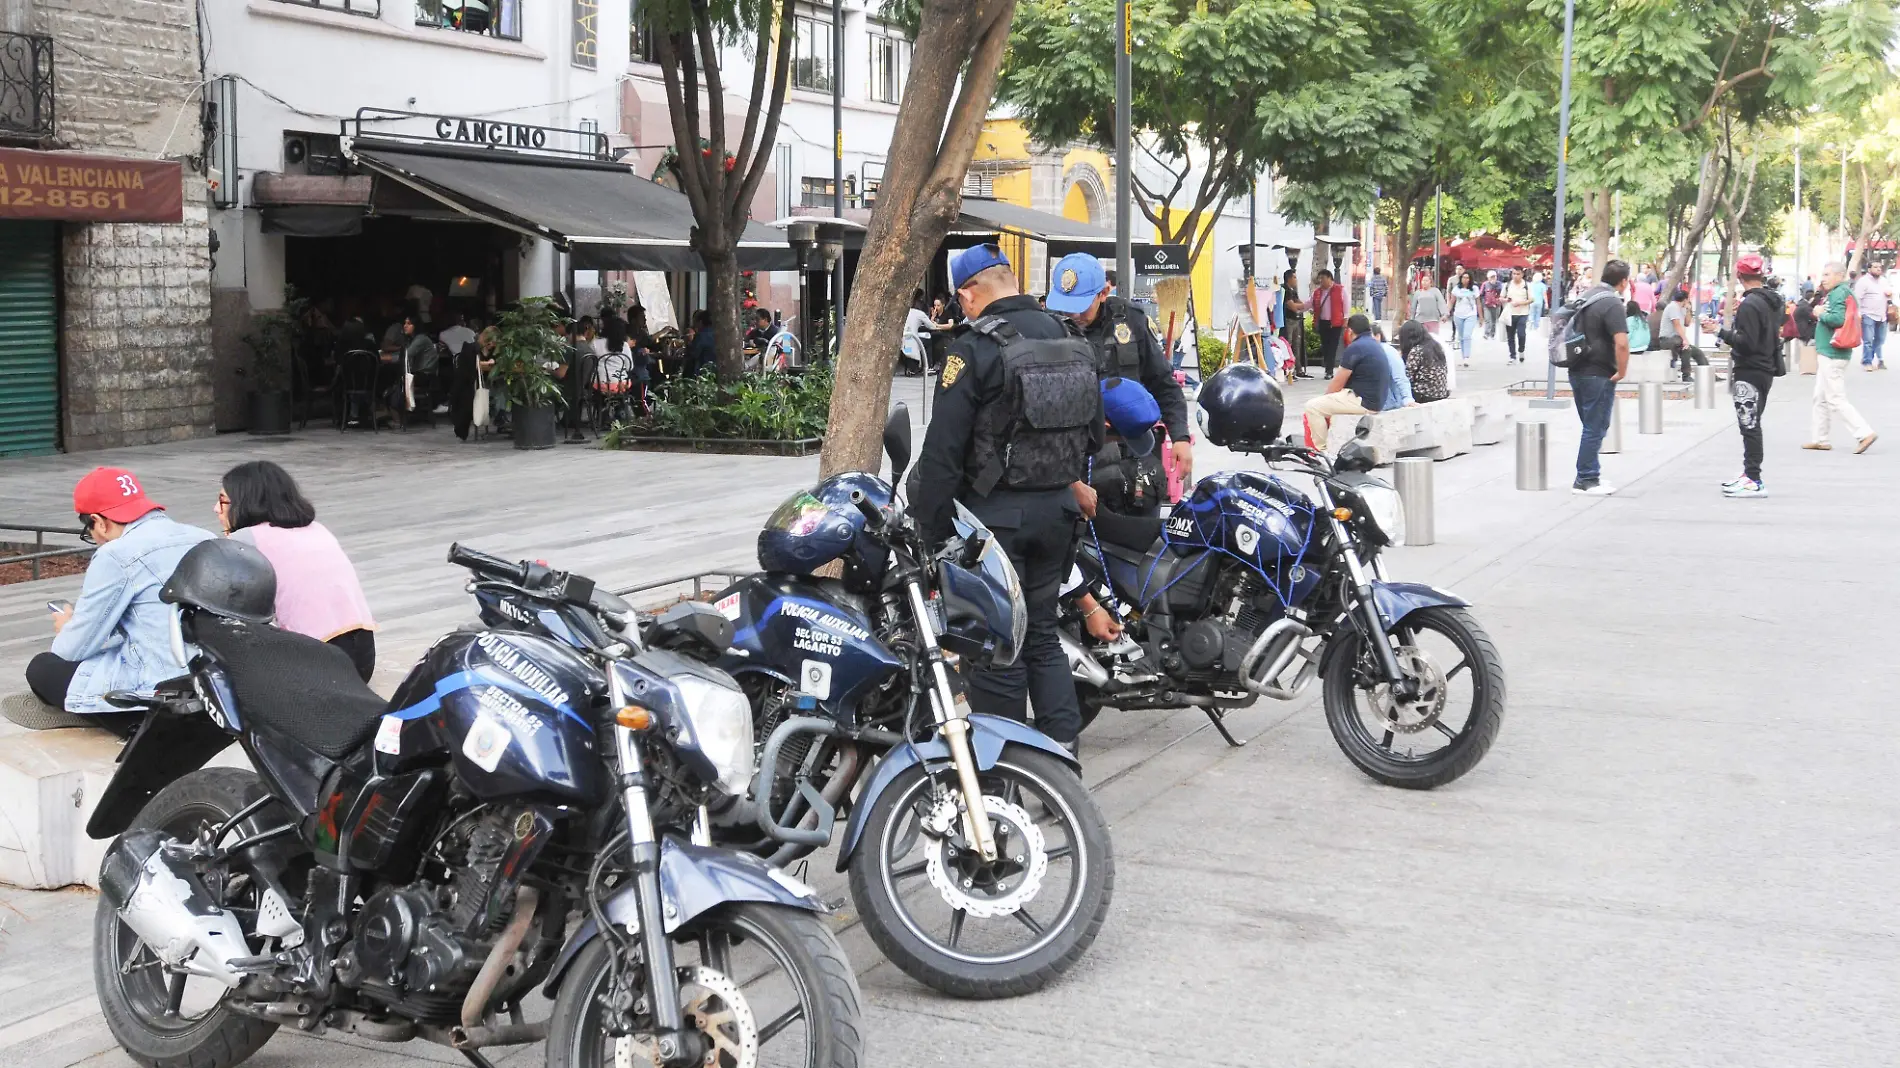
[(409, 869), (1253, 587), (850, 687)]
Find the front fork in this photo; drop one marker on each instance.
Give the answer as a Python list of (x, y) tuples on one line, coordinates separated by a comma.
[(663, 994), (1376, 634), (953, 724)]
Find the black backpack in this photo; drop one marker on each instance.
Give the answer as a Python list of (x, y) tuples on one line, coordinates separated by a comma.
[(1038, 434), (1569, 341)]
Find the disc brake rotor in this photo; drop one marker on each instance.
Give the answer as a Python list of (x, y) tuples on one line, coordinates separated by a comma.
[(715, 1006), (1411, 715), (987, 889)]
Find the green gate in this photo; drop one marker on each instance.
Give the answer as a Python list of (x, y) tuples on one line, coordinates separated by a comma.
[(29, 338)]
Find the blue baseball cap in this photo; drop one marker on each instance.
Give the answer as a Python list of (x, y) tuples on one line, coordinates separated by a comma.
[(965, 265), (1133, 412), (1074, 282)]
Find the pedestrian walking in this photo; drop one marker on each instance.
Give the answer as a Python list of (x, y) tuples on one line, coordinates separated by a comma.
[(117, 636), (1754, 343), (1540, 297), (1517, 315), (1362, 384), (1293, 324), (1595, 372), (1329, 318), (1376, 289), (1493, 290), (1830, 381), (1870, 292), (1428, 304), (1465, 309), (1804, 331), (1018, 414)]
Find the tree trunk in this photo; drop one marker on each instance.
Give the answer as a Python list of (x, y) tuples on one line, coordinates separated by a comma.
[(1698, 225), (958, 52), (723, 304), (1597, 213), (1869, 219)]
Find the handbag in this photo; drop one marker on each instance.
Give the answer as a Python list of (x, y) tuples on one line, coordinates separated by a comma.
[(1848, 336), (479, 417)]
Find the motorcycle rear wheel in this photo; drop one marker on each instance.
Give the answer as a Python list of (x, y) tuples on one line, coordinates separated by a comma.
[(1376, 754), (143, 1002)]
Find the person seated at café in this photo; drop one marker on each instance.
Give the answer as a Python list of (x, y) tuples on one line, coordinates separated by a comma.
[(1361, 384), (702, 352), (118, 635)]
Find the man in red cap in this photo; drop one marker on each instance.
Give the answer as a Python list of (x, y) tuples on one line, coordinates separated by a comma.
[(118, 637), (1754, 341)]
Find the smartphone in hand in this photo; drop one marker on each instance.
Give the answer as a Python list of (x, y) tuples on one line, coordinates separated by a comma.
[(56, 607)]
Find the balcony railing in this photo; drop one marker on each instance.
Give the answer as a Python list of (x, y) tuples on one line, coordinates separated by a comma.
[(26, 86)]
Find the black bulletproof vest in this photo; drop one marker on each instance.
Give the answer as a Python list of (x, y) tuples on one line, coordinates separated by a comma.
[(1116, 358), (1035, 435)]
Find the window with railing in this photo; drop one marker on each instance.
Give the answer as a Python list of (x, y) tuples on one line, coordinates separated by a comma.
[(817, 192), (811, 53), (26, 86), (979, 185), (890, 65), (490, 18), (370, 8)]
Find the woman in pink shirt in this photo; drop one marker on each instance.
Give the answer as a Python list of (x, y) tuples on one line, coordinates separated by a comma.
[(317, 590)]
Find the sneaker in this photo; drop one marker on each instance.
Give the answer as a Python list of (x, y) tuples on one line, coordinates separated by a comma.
[(1592, 489), (1748, 487), (1866, 443), (1734, 482), (1818, 446)]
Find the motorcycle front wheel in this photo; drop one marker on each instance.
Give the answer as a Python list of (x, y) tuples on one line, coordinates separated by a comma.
[(1426, 742), (985, 929), (766, 987)]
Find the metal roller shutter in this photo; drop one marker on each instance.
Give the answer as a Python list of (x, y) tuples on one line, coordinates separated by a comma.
[(29, 339)]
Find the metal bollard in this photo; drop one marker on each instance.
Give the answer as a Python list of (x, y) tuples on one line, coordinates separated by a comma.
[(1613, 437), (1412, 476), (1704, 386), (1649, 399), (1533, 456)]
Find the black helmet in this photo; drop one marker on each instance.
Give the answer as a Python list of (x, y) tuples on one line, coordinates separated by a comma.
[(1241, 406), (226, 578)]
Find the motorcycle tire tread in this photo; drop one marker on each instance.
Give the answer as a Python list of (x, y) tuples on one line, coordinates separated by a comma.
[(975, 988), (236, 1038), (1473, 742)]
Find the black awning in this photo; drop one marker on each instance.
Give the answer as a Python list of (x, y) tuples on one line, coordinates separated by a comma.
[(983, 215), (607, 216)]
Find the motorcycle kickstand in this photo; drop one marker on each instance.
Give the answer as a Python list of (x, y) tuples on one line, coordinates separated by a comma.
[(1217, 717)]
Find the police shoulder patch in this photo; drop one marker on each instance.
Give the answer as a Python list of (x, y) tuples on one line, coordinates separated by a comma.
[(952, 368), (1123, 335)]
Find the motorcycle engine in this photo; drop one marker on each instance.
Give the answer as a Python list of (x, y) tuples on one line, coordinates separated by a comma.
[(1212, 647)]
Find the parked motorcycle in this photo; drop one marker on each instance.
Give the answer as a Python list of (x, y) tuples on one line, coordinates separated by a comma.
[(408, 869), (850, 687), (1252, 587)]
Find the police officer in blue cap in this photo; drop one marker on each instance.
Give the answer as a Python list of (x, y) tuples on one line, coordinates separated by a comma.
[(1018, 414), (1126, 349)]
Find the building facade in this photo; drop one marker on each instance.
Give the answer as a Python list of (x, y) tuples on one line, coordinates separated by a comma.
[(104, 253)]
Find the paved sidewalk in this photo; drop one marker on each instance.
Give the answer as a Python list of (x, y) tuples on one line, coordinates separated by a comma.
[(1678, 853)]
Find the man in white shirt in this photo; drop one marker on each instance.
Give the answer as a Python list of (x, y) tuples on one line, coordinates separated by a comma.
[(456, 335), (1870, 292)]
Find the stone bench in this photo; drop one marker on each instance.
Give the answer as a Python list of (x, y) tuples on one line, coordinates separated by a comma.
[(1439, 430), (1493, 415)]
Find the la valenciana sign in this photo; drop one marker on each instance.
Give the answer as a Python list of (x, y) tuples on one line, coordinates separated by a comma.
[(76, 187)]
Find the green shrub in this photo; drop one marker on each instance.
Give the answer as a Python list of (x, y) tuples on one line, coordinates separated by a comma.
[(1213, 353), (763, 407)]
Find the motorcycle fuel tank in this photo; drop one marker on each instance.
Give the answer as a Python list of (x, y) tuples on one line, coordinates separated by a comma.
[(1255, 517), (796, 629), (514, 713)]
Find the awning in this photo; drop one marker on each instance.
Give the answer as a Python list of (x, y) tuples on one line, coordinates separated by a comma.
[(607, 216), (981, 215)]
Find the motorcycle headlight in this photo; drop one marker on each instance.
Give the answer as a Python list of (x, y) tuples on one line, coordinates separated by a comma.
[(1383, 509), (718, 724)]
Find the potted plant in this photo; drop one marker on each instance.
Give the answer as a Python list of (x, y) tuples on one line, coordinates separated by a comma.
[(274, 341), (528, 350)]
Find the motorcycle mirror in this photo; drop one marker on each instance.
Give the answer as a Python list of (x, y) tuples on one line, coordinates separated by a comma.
[(1363, 429), (897, 442)]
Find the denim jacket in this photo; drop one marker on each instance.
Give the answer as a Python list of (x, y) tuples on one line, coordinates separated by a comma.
[(120, 633)]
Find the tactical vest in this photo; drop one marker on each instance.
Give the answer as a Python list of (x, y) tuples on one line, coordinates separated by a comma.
[(1035, 434), (1126, 484), (1116, 358)]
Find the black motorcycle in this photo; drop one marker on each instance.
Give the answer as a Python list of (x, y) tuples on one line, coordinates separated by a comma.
[(410, 869), (1253, 586), (856, 723)]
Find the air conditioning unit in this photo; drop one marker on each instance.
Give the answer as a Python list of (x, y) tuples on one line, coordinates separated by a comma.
[(312, 153)]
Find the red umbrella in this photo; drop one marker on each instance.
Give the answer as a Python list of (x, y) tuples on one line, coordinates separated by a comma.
[(1491, 259), (1446, 250)]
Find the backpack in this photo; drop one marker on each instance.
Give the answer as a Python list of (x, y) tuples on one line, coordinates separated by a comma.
[(1039, 433), (1848, 335), (1569, 343)]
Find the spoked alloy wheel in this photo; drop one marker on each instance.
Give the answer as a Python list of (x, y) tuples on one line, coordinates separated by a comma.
[(985, 929), (1432, 737), (765, 986)]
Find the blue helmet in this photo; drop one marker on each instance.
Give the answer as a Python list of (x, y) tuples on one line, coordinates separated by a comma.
[(814, 527), (1240, 405)]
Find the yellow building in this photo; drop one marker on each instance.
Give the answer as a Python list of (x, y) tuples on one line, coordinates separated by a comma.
[(1076, 183)]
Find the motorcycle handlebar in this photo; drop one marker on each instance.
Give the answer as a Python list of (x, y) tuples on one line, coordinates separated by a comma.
[(872, 514), (462, 556)]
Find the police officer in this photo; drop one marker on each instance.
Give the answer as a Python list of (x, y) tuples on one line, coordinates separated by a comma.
[(1124, 348), (1018, 414)]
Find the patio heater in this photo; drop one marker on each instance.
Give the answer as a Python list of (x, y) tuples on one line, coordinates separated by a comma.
[(803, 237), (831, 257)]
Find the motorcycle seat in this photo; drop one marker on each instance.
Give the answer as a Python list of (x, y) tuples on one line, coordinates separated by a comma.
[(292, 685), (1134, 532)]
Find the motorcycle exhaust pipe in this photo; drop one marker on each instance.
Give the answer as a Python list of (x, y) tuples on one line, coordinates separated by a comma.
[(1281, 641), (158, 895), (1082, 666)]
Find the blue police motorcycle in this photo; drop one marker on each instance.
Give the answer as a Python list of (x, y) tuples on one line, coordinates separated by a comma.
[(857, 726), (410, 869), (1255, 585)]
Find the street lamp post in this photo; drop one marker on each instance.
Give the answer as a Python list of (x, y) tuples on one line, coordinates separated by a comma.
[(837, 158), (1800, 213), (1559, 260), (1842, 228), (1124, 92)]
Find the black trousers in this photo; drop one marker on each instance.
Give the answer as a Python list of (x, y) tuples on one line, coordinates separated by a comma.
[(1749, 390), (49, 677), (1329, 346), (1037, 530)]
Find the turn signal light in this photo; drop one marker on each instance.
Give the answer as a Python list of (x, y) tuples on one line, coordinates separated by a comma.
[(1342, 514), (634, 718)]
